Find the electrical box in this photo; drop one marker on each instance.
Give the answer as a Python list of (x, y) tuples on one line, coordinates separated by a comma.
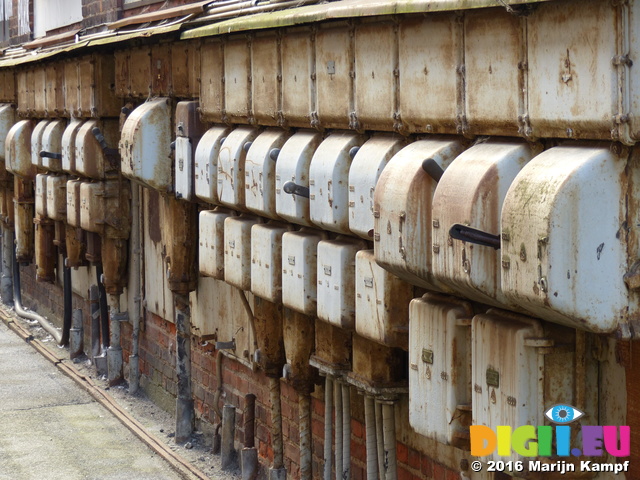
[(206, 163), (73, 203), (237, 250), (365, 170), (231, 165), (36, 142), (402, 210), (145, 145), (18, 150), (382, 303), (189, 130), (7, 119), (211, 242), (57, 197), (299, 275), (91, 160), (336, 281), (520, 368), (266, 260), (293, 166), (440, 368), (329, 181), (260, 172), (564, 257), (68, 145), (470, 193), (52, 144), (93, 206), (41, 195)]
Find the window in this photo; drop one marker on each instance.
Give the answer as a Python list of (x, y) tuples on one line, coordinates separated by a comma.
[(52, 14)]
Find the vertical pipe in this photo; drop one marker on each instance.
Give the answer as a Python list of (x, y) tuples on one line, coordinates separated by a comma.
[(346, 432), (304, 412), (94, 302), (370, 427), (6, 283), (114, 353), (184, 400), (75, 335), (135, 288), (380, 441), (67, 310), (389, 429), (104, 308), (328, 426), (337, 395), (227, 452), (249, 460), (277, 471)]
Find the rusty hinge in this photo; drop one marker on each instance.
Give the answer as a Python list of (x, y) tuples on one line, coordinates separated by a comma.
[(618, 60)]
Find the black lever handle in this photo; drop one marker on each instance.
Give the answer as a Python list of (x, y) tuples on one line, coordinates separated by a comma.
[(55, 156), (295, 189), (103, 143), (431, 167), (473, 235)]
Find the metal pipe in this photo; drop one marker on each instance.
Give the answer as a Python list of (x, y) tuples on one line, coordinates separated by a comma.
[(17, 303), (104, 308), (337, 396), (184, 401), (380, 441), (249, 460), (370, 427), (254, 9), (346, 431), (227, 451), (252, 326), (6, 283), (304, 413), (114, 353), (216, 403), (389, 432), (67, 310), (75, 335), (94, 303), (135, 287), (276, 423), (328, 426)]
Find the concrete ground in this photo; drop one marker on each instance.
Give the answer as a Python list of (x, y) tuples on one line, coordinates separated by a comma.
[(50, 428)]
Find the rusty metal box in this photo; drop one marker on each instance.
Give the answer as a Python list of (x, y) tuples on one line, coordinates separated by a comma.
[(365, 169), (237, 83), (90, 159), (265, 79), (299, 275), (212, 86), (336, 281), (93, 206), (73, 203), (41, 195), (237, 250), (36, 142), (231, 165), (140, 71), (471, 192), (40, 89), (185, 69), (297, 71), (18, 150), (145, 145), (440, 368), (402, 210), (121, 60), (293, 166), (71, 87), (52, 144), (68, 145), (563, 256), (382, 303), (161, 69), (260, 172), (206, 163), (211, 242), (266, 260), (57, 197), (328, 181)]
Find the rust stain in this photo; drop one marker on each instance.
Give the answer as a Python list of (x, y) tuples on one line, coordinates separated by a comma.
[(153, 214)]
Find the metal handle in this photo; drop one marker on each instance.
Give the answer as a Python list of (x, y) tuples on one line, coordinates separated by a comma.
[(431, 167), (295, 189), (55, 156), (473, 235), (103, 143), (273, 154)]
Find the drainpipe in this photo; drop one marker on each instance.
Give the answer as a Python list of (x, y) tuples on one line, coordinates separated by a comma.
[(370, 427), (380, 441), (114, 352), (389, 432), (277, 471), (304, 413), (67, 310), (6, 283), (94, 302), (135, 287), (104, 308), (346, 431), (328, 426), (249, 456), (337, 395), (184, 400)]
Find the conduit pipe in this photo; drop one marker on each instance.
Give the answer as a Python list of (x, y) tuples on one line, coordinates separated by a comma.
[(114, 353), (346, 431), (67, 309), (94, 303), (337, 395), (216, 402), (6, 283), (252, 326), (184, 400), (277, 471), (304, 413), (135, 287), (17, 303), (104, 308), (370, 428), (249, 457), (380, 441), (389, 432), (328, 426)]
